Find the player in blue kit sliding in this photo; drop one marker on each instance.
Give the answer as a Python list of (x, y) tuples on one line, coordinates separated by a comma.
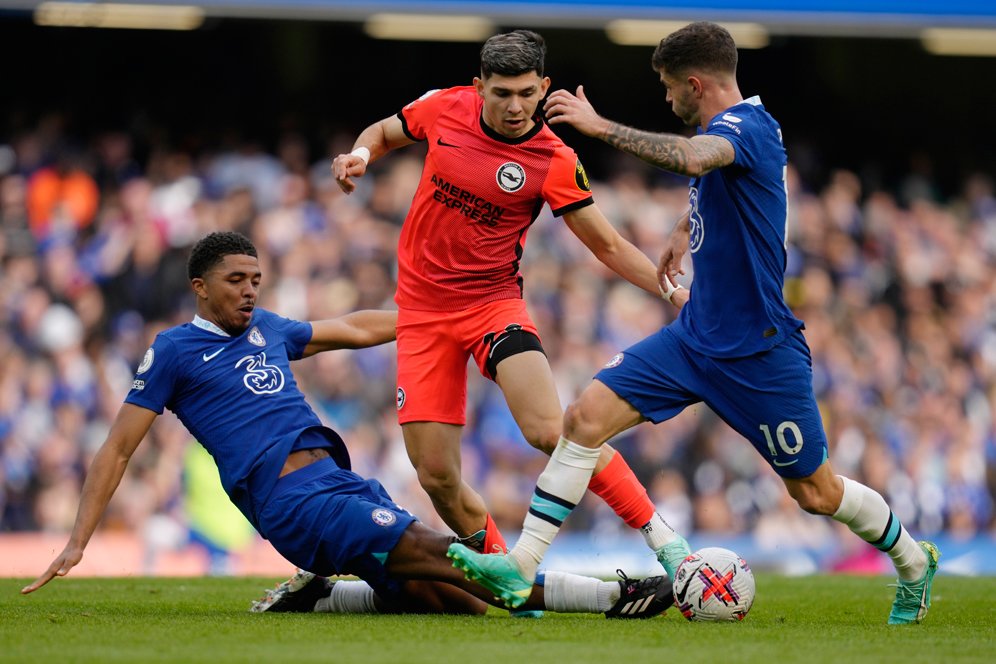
[(735, 346), (227, 377)]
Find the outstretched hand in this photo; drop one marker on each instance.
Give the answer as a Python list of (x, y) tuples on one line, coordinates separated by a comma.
[(68, 559), (575, 109), (344, 168)]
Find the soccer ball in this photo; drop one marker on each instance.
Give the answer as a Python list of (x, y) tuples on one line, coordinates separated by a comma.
[(714, 585)]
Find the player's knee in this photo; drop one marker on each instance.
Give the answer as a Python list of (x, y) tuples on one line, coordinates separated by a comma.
[(439, 480), (543, 436), (812, 500), (578, 422), (819, 493)]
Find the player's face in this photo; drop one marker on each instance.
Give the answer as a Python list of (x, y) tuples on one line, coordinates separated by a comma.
[(681, 95), (226, 295), (510, 101)]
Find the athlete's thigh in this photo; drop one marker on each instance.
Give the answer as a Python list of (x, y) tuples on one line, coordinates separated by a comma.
[(433, 448), (656, 376), (597, 415), (531, 394), (507, 349), (432, 369), (497, 331), (768, 398), (323, 517)]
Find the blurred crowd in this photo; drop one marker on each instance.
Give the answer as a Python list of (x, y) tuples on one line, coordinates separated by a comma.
[(897, 288)]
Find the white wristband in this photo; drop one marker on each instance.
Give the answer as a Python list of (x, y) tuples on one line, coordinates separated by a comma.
[(671, 289), (363, 153)]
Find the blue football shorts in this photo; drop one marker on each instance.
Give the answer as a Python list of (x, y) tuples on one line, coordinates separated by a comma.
[(329, 521), (767, 397)]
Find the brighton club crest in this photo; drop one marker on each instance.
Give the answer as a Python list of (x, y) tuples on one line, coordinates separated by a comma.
[(511, 176)]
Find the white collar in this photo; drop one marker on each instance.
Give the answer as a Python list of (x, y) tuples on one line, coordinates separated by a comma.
[(209, 326)]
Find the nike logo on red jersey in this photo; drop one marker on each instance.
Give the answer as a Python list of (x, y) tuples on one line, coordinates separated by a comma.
[(440, 141)]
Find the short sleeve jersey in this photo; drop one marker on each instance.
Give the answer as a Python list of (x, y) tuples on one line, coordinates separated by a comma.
[(738, 216), (236, 395), (478, 194)]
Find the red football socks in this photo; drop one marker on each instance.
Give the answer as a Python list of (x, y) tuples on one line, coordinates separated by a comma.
[(493, 541), (618, 487)]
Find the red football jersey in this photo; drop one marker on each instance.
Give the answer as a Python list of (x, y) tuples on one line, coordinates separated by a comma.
[(480, 191)]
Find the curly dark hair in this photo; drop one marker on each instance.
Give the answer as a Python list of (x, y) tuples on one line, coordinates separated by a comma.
[(513, 53), (212, 248), (703, 45)]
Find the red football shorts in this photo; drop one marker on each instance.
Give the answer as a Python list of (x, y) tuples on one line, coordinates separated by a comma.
[(433, 349)]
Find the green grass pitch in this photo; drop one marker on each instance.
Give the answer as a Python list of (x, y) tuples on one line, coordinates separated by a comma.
[(800, 619)]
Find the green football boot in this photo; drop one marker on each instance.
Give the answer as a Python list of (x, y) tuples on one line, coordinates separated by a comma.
[(913, 597), (673, 554), (495, 572)]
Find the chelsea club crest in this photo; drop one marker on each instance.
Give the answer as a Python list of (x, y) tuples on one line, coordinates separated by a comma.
[(383, 517), (256, 337), (615, 361)]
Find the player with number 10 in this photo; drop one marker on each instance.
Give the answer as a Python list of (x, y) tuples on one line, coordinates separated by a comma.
[(735, 346)]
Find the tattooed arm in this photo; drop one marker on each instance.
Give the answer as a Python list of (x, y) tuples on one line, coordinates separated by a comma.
[(678, 154), (686, 156)]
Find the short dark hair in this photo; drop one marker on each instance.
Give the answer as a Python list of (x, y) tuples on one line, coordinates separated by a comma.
[(212, 248), (703, 45), (513, 53)]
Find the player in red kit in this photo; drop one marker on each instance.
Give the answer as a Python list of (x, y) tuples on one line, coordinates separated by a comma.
[(492, 164)]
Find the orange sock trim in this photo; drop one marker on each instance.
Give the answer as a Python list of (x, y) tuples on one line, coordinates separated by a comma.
[(493, 541), (618, 487)]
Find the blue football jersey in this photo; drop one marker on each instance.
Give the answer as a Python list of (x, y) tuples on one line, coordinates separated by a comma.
[(738, 216), (237, 396)]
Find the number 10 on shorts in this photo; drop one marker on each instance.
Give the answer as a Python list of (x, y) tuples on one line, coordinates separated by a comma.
[(789, 438)]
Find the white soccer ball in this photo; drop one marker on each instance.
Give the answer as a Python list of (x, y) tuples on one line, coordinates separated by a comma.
[(714, 585)]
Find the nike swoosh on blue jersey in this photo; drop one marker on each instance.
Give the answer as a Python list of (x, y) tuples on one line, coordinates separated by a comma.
[(780, 464), (207, 357)]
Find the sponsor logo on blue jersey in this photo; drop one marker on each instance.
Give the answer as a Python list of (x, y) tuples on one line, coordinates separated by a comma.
[(261, 378), (696, 229), (729, 121)]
